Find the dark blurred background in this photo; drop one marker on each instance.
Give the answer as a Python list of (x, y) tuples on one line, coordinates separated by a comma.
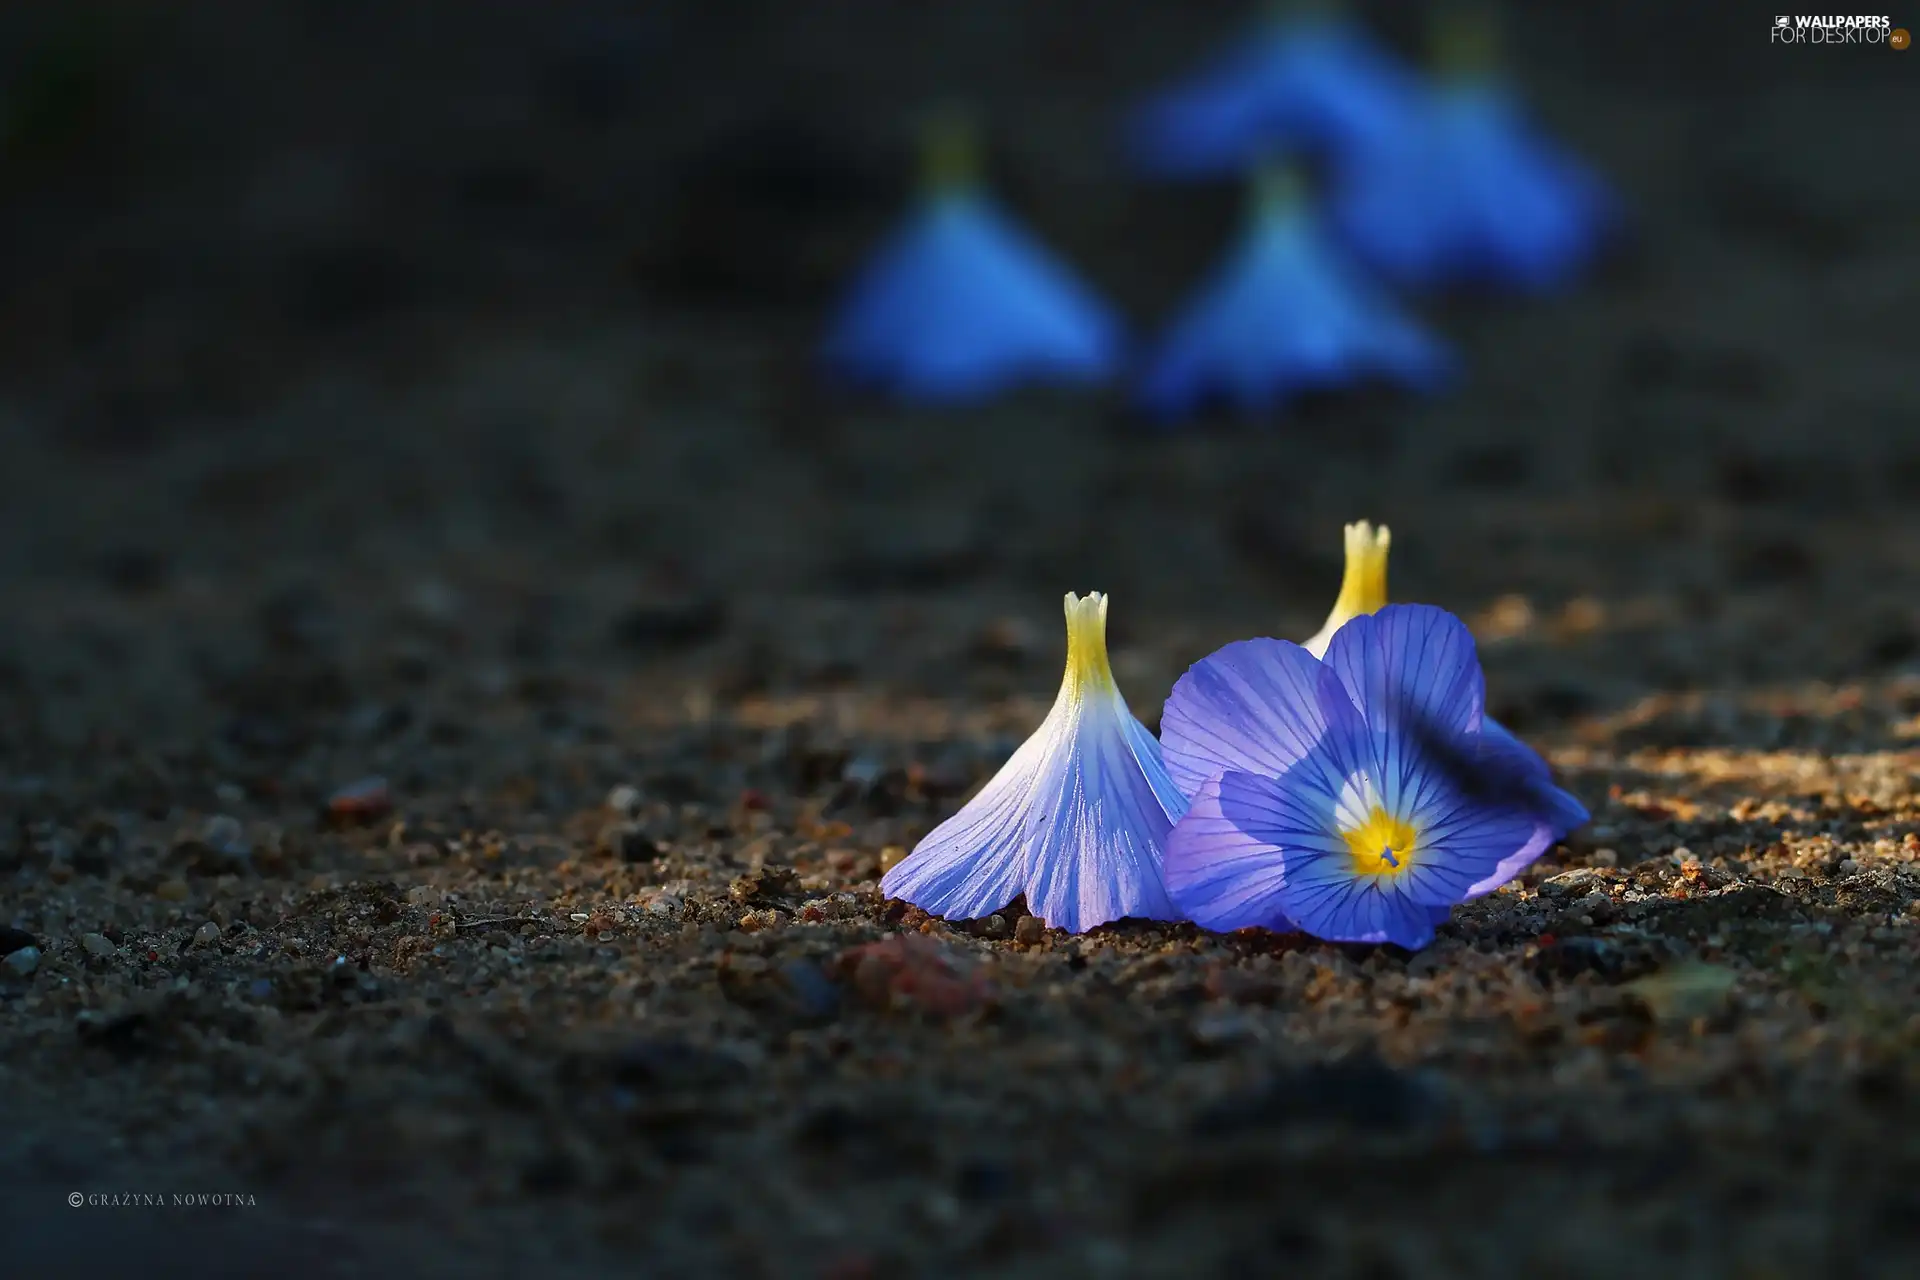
[(519, 302), (362, 283), (359, 355)]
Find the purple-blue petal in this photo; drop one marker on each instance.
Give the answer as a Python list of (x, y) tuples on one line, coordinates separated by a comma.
[(1411, 667), (1251, 706), (1560, 809), (975, 862), (1099, 837), (1219, 874)]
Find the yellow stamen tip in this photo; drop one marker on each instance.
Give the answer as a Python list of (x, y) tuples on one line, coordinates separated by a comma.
[(1087, 665), (1363, 589), (1383, 845)]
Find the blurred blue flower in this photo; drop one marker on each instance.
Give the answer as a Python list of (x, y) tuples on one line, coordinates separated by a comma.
[(1077, 819), (1285, 314), (1471, 195), (1359, 799), (1307, 81), (961, 303)]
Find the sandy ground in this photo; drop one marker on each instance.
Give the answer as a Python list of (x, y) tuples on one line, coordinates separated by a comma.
[(456, 431)]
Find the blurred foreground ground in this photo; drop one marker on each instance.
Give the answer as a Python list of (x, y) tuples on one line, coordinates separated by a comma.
[(424, 395)]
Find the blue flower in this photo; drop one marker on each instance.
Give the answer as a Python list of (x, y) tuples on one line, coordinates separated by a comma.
[(1470, 195), (1363, 590), (961, 303), (1359, 798), (1306, 82), (1077, 819), (1285, 314)]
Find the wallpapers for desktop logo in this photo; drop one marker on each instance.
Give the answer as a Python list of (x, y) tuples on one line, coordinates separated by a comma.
[(1803, 28)]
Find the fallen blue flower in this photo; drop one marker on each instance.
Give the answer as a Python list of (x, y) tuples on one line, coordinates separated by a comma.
[(962, 304), (1471, 195), (1285, 314), (1305, 82), (1363, 590), (1077, 819), (1358, 799)]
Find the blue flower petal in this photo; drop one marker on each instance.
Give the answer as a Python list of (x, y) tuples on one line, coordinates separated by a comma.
[(1410, 667), (975, 862), (1315, 83), (1220, 870), (1470, 195), (1097, 847), (1282, 316), (1077, 820), (962, 304), (1561, 810), (1251, 706)]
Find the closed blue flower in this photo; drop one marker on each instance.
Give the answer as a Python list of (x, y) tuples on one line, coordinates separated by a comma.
[(1471, 195), (1360, 798), (962, 304), (1285, 314), (1076, 820), (1307, 82)]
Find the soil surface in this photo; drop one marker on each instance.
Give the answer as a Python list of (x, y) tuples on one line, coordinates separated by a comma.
[(461, 677)]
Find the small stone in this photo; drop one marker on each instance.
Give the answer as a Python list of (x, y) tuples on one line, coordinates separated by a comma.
[(1581, 880), (995, 926), (1223, 1029), (97, 944), (627, 841), (207, 934), (24, 961), (1030, 932), (12, 940), (756, 921), (224, 833), (361, 801), (764, 886), (624, 800), (174, 890), (667, 904), (423, 895), (863, 771)]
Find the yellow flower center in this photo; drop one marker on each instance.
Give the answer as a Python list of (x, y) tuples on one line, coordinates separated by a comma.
[(1383, 845)]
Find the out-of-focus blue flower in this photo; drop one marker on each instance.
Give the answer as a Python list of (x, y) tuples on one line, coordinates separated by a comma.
[(1307, 81), (1359, 798), (961, 303), (1469, 194), (1363, 590), (1077, 819), (1285, 314)]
